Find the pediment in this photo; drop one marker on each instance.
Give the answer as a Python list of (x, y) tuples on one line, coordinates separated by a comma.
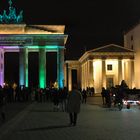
[(111, 48)]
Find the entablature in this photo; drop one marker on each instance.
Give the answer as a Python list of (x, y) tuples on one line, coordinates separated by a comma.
[(31, 40), (107, 55)]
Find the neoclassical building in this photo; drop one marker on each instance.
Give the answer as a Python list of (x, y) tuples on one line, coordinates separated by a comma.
[(108, 65), (24, 39), (15, 36), (132, 41), (105, 66)]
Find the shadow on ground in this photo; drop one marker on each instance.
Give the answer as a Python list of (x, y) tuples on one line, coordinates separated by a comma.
[(46, 128)]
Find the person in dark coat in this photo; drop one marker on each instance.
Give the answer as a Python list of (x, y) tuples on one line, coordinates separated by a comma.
[(73, 104), (84, 95)]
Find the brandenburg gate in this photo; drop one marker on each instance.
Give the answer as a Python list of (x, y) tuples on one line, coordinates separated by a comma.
[(18, 37)]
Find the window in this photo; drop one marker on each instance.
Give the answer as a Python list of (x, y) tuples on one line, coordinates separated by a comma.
[(109, 67)]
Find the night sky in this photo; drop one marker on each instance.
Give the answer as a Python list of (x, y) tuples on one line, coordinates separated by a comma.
[(89, 23)]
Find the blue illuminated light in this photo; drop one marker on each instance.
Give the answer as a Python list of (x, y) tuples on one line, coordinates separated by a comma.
[(11, 17)]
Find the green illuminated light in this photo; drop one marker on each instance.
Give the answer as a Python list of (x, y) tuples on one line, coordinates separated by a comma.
[(33, 47), (26, 75), (51, 47), (42, 68), (46, 47), (26, 67), (41, 79)]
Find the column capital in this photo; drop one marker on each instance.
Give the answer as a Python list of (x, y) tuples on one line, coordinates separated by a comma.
[(132, 58), (103, 58), (120, 57)]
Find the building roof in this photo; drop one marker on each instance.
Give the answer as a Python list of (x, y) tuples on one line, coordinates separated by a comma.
[(31, 29), (108, 51), (111, 48)]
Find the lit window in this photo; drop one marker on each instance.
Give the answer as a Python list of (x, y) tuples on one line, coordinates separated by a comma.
[(109, 67)]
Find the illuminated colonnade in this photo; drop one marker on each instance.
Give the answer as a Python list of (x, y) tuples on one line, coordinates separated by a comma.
[(23, 63), (24, 38), (99, 73), (18, 37), (105, 67), (68, 67)]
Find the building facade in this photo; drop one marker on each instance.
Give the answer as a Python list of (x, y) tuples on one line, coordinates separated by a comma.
[(15, 36), (132, 41), (105, 67), (108, 65), (24, 39)]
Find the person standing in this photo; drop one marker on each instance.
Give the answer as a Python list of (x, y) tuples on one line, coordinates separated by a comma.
[(73, 104), (84, 95)]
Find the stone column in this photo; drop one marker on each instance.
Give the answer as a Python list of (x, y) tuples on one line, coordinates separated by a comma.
[(82, 76), (119, 71), (103, 73), (79, 76), (70, 78), (91, 80), (67, 76), (60, 67), (1, 67), (23, 66), (132, 73), (84, 82), (42, 67)]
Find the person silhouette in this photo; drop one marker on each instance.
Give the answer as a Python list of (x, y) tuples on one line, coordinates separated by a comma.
[(73, 104)]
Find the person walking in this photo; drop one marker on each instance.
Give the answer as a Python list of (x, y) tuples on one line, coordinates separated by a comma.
[(73, 104)]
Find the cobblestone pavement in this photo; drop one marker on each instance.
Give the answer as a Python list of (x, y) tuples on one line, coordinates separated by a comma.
[(11, 109), (38, 122)]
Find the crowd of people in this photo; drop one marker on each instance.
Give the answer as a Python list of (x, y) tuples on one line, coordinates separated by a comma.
[(114, 94), (8, 95), (60, 98)]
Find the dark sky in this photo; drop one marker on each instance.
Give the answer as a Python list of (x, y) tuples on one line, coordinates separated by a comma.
[(89, 23)]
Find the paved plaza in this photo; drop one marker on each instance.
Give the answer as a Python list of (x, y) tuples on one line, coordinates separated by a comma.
[(37, 121)]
